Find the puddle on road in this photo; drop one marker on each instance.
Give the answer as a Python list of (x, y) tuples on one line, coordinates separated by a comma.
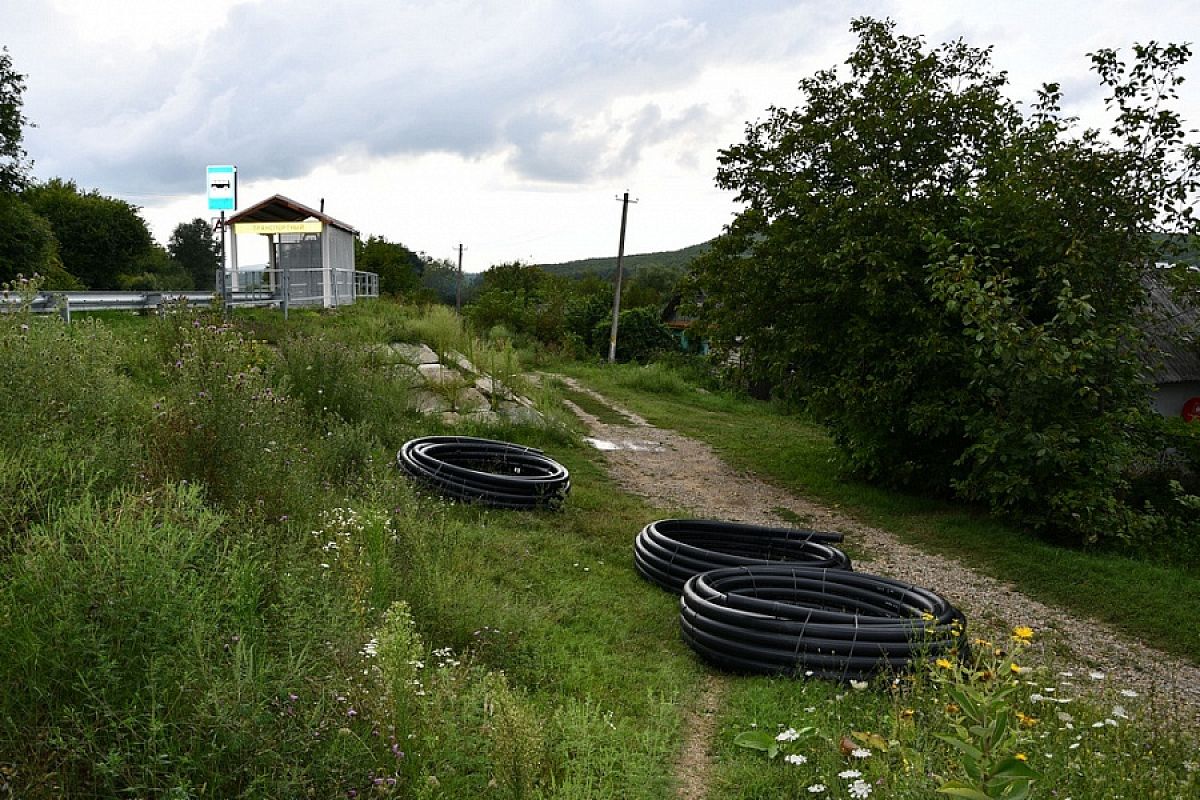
[(626, 444)]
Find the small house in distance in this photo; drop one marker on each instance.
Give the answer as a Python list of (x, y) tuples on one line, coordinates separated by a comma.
[(310, 257)]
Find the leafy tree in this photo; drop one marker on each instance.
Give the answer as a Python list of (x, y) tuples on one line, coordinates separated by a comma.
[(28, 246), (14, 168), (99, 237), (641, 337), (525, 299), (155, 270), (399, 269), (954, 286), (196, 252), (649, 286), (588, 305), (439, 279)]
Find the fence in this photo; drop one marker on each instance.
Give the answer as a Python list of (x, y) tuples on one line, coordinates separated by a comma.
[(244, 288)]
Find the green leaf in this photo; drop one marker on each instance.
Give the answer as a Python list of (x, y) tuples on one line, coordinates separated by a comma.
[(967, 749), (1014, 768), (960, 789), (755, 740)]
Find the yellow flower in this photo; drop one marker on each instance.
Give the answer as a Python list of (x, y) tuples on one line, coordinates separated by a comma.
[(1022, 634), (906, 713), (925, 615), (1017, 670), (944, 663), (1026, 720), (1021, 757), (952, 708)]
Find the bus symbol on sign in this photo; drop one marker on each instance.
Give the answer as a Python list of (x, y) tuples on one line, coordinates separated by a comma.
[(222, 188)]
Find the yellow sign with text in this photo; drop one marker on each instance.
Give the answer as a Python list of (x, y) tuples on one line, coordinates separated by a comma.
[(310, 226)]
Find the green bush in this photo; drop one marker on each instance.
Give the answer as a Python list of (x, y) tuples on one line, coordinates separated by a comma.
[(641, 335)]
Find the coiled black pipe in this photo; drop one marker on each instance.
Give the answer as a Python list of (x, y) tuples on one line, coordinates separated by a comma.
[(670, 551), (826, 623), (487, 471)]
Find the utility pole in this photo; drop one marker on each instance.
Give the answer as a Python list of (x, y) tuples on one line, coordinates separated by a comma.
[(458, 283), (612, 339)]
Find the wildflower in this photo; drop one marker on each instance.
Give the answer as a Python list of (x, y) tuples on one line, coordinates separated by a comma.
[(858, 685), (1022, 634), (1021, 757), (1018, 670), (817, 788), (952, 708), (790, 735), (1027, 720), (796, 759), (944, 663), (860, 789), (1128, 693), (1120, 713), (1096, 675), (906, 713), (860, 752), (849, 773)]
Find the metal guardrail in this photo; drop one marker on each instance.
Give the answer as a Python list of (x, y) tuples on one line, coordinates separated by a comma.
[(366, 284)]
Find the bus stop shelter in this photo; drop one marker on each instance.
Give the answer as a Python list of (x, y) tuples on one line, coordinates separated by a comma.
[(310, 258)]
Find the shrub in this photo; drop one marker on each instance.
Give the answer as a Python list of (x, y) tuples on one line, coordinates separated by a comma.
[(641, 335)]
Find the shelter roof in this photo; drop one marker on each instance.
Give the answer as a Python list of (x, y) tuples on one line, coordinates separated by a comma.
[(278, 208), (1173, 334)]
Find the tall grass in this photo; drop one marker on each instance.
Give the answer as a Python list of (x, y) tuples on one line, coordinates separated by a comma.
[(210, 564)]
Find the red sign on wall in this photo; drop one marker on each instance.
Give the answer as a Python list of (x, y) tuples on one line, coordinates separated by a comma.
[(1191, 410)]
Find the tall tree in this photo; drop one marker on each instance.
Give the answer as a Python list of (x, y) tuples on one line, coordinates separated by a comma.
[(399, 269), (14, 168), (952, 285), (195, 252), (99, 237)]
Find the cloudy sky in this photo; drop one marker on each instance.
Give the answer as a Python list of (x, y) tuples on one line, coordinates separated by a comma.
[(508, 126)]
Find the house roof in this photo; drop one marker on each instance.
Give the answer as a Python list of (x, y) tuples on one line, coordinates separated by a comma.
[(1173, 333), (278, 208)]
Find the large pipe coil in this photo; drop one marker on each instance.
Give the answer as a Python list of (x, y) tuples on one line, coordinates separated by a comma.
[(473, 470)]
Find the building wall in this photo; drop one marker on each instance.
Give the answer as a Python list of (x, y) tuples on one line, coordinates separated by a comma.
[(1170, 397)]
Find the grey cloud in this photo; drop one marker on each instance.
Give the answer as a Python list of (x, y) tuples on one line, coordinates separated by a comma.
[(286, 86)]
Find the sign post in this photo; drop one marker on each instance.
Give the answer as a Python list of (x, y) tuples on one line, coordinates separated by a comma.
[(222, 196)]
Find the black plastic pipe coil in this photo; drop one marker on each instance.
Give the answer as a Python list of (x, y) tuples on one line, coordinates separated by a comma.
[(486, 471), (805, 621), (669, 551)]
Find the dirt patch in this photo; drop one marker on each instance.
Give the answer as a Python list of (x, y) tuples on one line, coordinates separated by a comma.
[(680, 473), (695, 761)]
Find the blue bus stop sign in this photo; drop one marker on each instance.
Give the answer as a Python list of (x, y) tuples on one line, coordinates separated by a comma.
[(222, 188)]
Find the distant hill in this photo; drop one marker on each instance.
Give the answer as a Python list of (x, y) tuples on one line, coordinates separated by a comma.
[(606, 267)]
